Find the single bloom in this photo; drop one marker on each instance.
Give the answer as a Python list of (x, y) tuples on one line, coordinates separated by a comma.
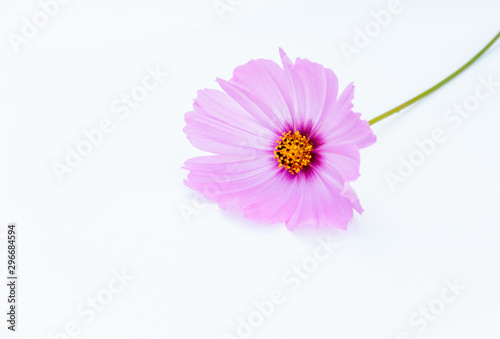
[(285, 144)]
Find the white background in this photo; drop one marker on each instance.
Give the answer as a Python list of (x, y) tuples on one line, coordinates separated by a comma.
[(120, 208)]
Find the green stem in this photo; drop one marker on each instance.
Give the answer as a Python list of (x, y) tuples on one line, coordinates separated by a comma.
[(435, 87)]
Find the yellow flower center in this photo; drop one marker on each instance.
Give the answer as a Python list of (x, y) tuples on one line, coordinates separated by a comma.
[(293, 151)]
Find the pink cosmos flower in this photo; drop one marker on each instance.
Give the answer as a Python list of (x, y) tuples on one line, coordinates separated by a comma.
[(286, 145)]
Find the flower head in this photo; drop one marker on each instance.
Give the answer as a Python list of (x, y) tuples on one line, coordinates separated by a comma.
[(285, 144)]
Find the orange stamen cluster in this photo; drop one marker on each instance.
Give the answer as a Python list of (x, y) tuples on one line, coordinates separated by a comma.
[(293, 151)]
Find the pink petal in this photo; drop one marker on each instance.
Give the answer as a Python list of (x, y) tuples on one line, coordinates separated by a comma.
[(345, 126), (315, 91), (222, 178), (331, 96), (267, 81), (273, 201), (253, 105), (219, 125), (341, 161), (320, 205)]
